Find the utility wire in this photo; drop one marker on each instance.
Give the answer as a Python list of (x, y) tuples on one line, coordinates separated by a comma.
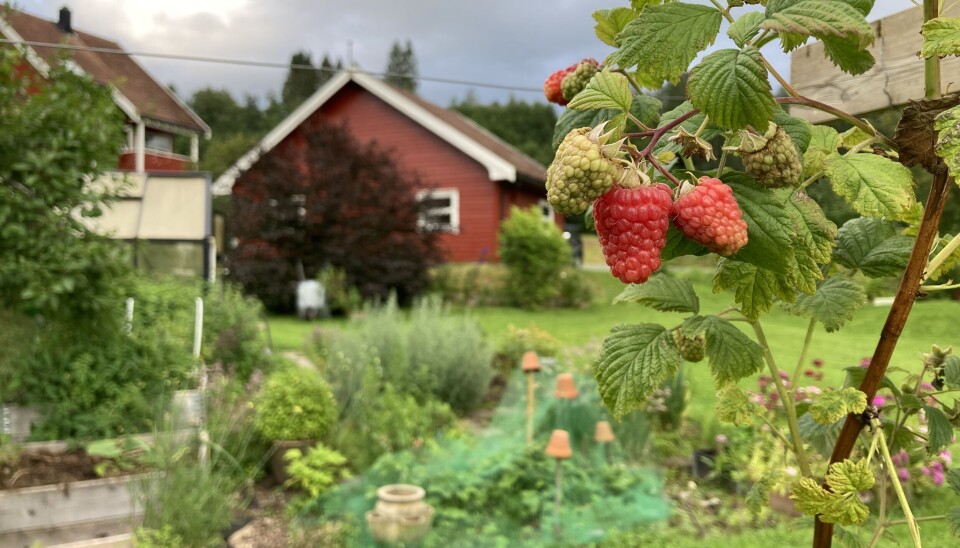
[(262, 64)]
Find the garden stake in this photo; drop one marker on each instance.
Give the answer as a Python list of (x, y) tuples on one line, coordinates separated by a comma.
[(128, 326), (530, 366), (558, 448), (202, 371), (566, 390), (604, 436)]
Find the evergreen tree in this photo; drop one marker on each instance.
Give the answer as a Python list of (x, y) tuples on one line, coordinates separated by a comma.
[(402, 67), (301, 82), (329, 69)]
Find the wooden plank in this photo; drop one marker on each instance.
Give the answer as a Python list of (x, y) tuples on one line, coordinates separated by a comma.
[(52, 506), (73, 535), (116, 541), (896, 77)]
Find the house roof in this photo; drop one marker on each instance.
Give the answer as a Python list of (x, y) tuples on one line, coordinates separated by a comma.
[(135, 91), (502, 161)]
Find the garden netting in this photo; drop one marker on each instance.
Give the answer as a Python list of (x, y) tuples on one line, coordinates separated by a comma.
[(490, 489)]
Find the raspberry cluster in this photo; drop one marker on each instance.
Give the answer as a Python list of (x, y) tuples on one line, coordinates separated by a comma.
[(692, 349), (552, 86), (632, 225), (709, 215), (773, 160), (582, 170), (574, 82)]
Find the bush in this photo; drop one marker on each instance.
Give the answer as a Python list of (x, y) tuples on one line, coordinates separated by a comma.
[(474, 284), (524, 339), (190, 503), (316, 471), (295, 404), (535, 253)]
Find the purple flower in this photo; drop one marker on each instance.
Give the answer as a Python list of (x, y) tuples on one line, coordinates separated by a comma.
[(938, 478), (879, 400), (924, 470), (784, 375), (865, 362), (946, 456), (901, 459), (903, 474)]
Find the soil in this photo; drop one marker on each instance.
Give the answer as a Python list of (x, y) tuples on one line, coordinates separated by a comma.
[(44, 467)]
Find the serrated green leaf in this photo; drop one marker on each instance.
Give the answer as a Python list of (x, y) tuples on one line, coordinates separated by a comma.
[(644, 108), (875, 186), (821, 19), (769, 230), (833, 405), (953, 521), (611, 22), (662, 292), (847, 55), (810, 498), (605, 90), (835, 302), (665, 39), (821, 436), (947, 124), (872, 246), (730, 86), (809, 220), (941, 37), (745, 28), (951, 371), (856, 374), (735, 408), (953, 480), (634, 361), (755, 289), (758, 497), (849, 477), (732, 354), (799, 130), (824, 141), (679, 245), (910, 402), (939, 429), (853, 137)]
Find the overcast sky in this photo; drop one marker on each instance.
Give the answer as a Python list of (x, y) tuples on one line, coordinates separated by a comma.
[(515, 43)]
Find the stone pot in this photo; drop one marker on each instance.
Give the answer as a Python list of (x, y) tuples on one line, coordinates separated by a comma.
[(400, 515), (278, 464)]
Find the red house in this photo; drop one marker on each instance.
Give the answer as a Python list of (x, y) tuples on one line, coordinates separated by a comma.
[(472, 178), (154, 113)]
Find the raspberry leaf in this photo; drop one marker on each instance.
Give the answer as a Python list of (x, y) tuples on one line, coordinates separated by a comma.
[(875, 186), (848, 477), (831, 406), (872, 246), (953, 480), (948, 138), (847, 55), (951, 371), (611, 22), (939, 429), (732, 354), (941, 37), (665, 39), (735, 408), (824, 141), (809, 221), (731, 86), (754, 288), (745, 28), (842, 505), (834, 303), (605, 90), (634, 361), (820, 19), (662, 292), (645, 108), (799, 130), (953, 521), (679, 245), (769, 227)]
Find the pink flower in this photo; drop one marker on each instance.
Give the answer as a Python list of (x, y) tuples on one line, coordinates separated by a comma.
[(938, 478), (879, 400), (784, 375), (901, 459), (865, 362), (720, 439), (903, 474), (946, 456)]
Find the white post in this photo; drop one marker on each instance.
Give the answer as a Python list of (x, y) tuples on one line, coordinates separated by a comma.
[(194, 148), (140, 147), (202, 370), (198, 328), (129, 325)]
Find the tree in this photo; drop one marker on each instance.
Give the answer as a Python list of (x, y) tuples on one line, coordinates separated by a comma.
[(57, 134), (329, 69), (527, 126), (402, 67), (300, 82), (332, 202)]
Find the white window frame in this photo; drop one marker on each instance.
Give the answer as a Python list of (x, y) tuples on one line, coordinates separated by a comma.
[(453, 209), (546, 211)]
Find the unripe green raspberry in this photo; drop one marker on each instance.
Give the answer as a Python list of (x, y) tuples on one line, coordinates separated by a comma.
[(691, 349), (773, 159), (582, 170), (574, 82)]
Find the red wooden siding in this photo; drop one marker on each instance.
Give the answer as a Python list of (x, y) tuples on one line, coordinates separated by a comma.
[(153, 162)]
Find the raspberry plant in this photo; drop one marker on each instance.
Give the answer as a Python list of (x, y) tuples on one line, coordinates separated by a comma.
[(775, 245)]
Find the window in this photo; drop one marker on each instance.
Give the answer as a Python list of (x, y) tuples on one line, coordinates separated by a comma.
[(546, 211), (439, 210), (162, 142)]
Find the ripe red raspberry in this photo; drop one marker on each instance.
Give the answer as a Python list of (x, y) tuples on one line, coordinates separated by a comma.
[(552, 87), (632, 225), (709, 215)]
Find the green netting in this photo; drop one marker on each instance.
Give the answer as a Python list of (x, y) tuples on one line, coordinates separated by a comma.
[(489, 487)]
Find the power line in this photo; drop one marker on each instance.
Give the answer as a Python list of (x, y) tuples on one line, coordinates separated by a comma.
[(261, 64)]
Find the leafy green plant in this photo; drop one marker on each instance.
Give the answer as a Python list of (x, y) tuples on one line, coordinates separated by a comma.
[(341, 297), (534, 253), (776, 247), (295, 404), (145, 537), (316, 471)]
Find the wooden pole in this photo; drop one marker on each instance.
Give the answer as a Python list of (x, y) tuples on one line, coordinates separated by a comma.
[(531, 398)]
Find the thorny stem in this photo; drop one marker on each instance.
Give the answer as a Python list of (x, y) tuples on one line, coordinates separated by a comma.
[(807, 102), (662, 130), (891, 471), (653, 161), (787, 400), (803, 352)]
